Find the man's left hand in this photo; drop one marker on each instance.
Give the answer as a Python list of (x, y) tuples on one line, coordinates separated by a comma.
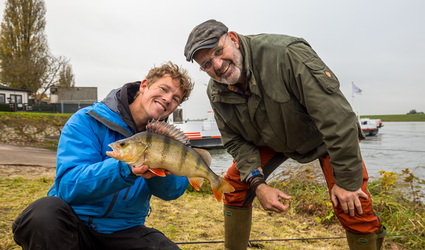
[(143, 171), (349, 200)]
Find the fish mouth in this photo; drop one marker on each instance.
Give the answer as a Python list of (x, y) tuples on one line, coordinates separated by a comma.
[(114, 153)]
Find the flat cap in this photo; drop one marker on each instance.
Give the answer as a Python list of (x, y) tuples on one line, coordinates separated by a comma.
[(204, 36)]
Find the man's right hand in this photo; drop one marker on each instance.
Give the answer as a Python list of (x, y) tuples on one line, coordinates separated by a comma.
[(271, 198)]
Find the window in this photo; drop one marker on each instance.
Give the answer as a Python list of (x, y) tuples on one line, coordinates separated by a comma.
[(15, 98), (2, 98), (18, 98)]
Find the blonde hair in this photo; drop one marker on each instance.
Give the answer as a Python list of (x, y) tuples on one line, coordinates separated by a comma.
[(176, 73)]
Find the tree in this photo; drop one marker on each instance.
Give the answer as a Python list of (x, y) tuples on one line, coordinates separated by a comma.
[(66, 77), (55, 68), (24, 54)]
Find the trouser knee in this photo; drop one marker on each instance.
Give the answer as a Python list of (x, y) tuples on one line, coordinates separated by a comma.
[(43, 214), (44, 210)]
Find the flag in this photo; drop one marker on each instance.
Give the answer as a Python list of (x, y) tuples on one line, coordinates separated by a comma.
[(356, 90)]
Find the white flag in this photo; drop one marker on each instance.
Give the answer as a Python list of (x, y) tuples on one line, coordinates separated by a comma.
[(356, 90)]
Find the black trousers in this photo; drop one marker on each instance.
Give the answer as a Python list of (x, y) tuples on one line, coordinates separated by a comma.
[(50, 223)]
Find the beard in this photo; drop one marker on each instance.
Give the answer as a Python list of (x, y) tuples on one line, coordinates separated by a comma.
[(230, 71)]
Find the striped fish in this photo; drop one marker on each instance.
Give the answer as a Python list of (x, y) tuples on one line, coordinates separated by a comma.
[(164, 147)]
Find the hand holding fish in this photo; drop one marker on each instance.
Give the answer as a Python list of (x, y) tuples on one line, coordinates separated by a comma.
[(143, 171)]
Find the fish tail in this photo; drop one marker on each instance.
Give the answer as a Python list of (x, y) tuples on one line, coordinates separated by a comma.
[(220, 188)]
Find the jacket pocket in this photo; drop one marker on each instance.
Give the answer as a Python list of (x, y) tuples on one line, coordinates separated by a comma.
[(325, 77)]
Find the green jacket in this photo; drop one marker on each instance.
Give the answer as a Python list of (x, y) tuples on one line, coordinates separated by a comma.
[(296, 107)]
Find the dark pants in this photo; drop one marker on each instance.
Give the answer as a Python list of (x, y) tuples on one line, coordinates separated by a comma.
[(50, 223)]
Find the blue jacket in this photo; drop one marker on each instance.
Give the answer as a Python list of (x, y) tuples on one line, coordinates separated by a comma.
[(103, 191)]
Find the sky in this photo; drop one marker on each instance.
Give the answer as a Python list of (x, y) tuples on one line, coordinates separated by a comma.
[(377, 45)]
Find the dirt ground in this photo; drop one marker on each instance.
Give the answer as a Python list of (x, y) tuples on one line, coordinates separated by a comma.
[(16, 170), (28, 162)]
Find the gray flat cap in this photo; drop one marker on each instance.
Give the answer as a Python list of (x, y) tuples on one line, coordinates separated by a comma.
[(204, 36)]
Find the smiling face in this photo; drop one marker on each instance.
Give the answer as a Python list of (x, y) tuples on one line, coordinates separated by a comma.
[(223, 63), (156, 100)]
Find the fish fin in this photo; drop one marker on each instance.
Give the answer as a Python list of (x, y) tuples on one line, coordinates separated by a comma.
[(221, 188), (158, 171), (206, 156), (196, 182), (167, 129)]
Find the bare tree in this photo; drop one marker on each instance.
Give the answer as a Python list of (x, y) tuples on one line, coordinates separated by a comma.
[(24, 55), (56, 68), (66, 77)]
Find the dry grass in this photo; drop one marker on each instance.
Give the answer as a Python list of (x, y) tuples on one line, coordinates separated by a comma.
[(199, 218), (195, 217)]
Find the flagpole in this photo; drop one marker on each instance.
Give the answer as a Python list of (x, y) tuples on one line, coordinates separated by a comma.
[(358, 105)]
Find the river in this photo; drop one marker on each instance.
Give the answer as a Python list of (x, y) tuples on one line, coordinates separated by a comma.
[(397, 146)]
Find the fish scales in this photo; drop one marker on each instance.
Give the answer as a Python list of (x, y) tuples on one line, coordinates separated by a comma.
[(164, 147)]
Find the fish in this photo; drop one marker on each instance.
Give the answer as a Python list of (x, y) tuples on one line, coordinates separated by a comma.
[(163, 147)]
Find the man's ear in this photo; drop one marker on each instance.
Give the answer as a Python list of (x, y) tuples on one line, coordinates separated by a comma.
[(143, 86), (234, 38)]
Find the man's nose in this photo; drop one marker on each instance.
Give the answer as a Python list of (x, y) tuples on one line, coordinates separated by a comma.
[(168, 97), (216, 62)]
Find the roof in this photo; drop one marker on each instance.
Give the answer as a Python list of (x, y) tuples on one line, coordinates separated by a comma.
[(13, 89)]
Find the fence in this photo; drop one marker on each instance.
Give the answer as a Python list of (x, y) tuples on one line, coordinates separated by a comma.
[(63, 107)]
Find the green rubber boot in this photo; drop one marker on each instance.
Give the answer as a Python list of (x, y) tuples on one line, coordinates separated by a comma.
[(237, 227), (380, 233), (371, 241)]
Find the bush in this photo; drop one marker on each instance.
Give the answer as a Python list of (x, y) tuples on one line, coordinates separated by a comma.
[(4, 107)]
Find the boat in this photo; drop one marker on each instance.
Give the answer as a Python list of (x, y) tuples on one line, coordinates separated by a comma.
[(370, 127), (202, 133)]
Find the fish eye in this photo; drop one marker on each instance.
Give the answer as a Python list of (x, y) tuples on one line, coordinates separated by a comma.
[(122, 144)]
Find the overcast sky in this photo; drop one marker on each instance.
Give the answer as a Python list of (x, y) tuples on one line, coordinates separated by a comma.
[(378, 45)]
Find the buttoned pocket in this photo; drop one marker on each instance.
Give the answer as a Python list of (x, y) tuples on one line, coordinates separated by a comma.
[(325, 77)]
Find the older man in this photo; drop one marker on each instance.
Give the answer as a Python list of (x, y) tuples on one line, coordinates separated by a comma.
[(275, 99)]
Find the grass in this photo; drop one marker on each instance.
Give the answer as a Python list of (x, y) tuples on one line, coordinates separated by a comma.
[(398, 118), (197, 217)]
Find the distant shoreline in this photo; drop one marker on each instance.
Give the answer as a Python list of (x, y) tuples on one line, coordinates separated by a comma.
[(397, 118)]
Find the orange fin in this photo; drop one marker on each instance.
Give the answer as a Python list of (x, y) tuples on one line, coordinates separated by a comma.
[(196, 182), (167, 129), (206, 156), (158, 171), (221, 188)]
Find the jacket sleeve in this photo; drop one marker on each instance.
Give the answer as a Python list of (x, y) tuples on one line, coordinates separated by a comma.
[(170, 187), (83, 171), (317, 88)]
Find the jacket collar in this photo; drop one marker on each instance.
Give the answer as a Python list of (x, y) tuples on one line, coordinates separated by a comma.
[(119, 101)]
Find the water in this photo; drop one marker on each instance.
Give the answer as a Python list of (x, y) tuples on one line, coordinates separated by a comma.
[(397, 146)]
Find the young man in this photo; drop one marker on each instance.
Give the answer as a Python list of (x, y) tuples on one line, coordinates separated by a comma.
[(274, 99), (98, 202)]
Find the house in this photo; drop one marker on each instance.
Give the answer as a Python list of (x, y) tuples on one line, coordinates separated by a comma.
[(86, 95), (16, 98), (71, 99)]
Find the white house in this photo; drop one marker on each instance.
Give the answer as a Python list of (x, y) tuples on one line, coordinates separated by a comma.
[(18, 97)]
